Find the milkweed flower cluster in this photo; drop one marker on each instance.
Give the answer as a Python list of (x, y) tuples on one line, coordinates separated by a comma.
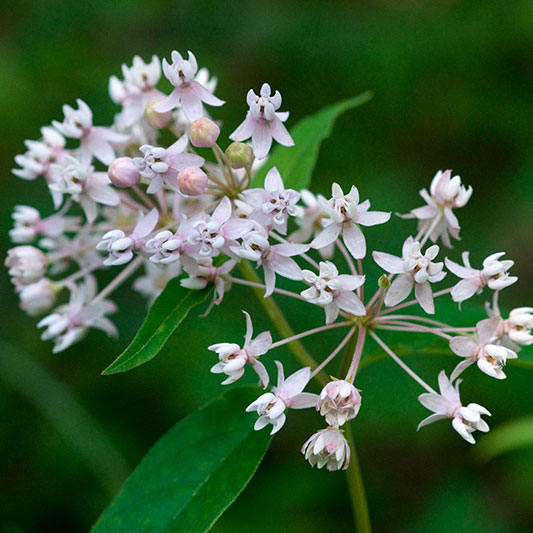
[(124, 199)]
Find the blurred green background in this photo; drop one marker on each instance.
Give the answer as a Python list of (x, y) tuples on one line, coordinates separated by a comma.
[(452, 83)]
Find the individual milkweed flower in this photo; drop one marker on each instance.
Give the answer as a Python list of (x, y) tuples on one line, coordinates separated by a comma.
[(85, 186), (233, 358), (123, 173), (327, 447), (445, 194), (519, 325), (263, 122), (121, 247), (37, 297), (96, 141), (188, 92), (69, 323), (28, 225), (162, 165), (26, 264), (309, 219), (273, 204), (484, 350), (338, 402), (493, 274), (271, 406), (414, 269), (333, 291), (344, 214), (447, 404)]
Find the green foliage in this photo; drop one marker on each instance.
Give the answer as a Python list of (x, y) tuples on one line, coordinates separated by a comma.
[(193, 473), (296, 163), (166, 314)]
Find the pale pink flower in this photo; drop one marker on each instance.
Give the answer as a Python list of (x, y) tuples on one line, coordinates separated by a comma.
[(233, 358), (96, 141), (327, 447), (271, 406), (188, 92), (414, 269), (123, 173), (309, 218), (204, 132), (26, 264), (447, 404), (344, 214), (37, 297), (519, 325), (446, 193), (263, 122), (493, 274), (333, 291), (339, 401), (484, 350), (29, 225)]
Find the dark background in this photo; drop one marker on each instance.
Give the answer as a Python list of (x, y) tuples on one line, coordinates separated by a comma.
[(452, 83)]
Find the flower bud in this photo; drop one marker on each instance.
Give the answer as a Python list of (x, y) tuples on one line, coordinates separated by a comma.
[(38, 297), (384, 282), (26, 264), (155, 119), (240, 155), (339, 401), (192, 181), (328, 448), (204, 133), (123, 173)]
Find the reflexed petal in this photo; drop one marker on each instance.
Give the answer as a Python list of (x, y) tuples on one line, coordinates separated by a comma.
[(389, 262), (399, 290), (424, 297), (463, 346), (354, 240), (326, 237)]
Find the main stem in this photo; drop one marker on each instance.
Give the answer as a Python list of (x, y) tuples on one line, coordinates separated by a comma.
[(280, 322), (356, 487)]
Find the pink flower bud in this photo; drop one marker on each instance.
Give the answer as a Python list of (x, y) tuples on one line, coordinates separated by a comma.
[(123, 173), (38, 297), (26, 264), (240, 155), (154, 118), (339, 401), (192, 181), (204, 132)]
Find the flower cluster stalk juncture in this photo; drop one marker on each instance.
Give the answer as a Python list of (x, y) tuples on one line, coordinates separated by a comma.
[(122, 201)]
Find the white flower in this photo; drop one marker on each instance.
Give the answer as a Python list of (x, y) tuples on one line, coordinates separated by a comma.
[(489, 356), (493, 274), (288, 394), (447, 404), (328, 448), (519, 325), (26, 264), (233, 358), (414, 269), (37, 297), (333, 291), (339, 401)]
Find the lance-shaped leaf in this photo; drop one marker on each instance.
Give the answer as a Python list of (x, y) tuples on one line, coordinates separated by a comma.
[(296, 163), (193, 473), (166, 314)]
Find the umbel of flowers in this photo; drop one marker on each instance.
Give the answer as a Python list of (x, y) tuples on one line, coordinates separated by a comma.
[(124, 202)]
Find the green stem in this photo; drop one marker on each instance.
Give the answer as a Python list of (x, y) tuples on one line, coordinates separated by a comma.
[(356, 487), (280, 322)]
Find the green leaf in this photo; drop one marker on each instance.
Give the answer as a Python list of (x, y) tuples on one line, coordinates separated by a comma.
[(166, 314), (514, 435), (193, 473), (296, 163)]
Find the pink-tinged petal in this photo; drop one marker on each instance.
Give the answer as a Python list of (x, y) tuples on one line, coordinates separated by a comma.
[(261, 371), (435, 403), (290, 249), (460, 368), (458, 270), (281, 376), (182, 161), (295, 383), (249, 329), (223, 211), (406, 247), (429, 420), (326, 237), (256, 197), (447, 389), (425, 212), (191, 104), (168, 103), (206, 96), (146, 224), (261, 139), (156, 184), (101, 150), (332, 312), (350, 282), (465, 289), (235, 228), (372, 218), (280, 133), (178, 147), (487, 329), (463, 346), (244, 130), (350, 302), (282, 115), (261, 344), (354, 240), (270, 279), (424, 296), (389, 262), (286, 267), (399, 290), (273, 181), (89, 208), (303, 400), (451, 219), (100, 190)]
